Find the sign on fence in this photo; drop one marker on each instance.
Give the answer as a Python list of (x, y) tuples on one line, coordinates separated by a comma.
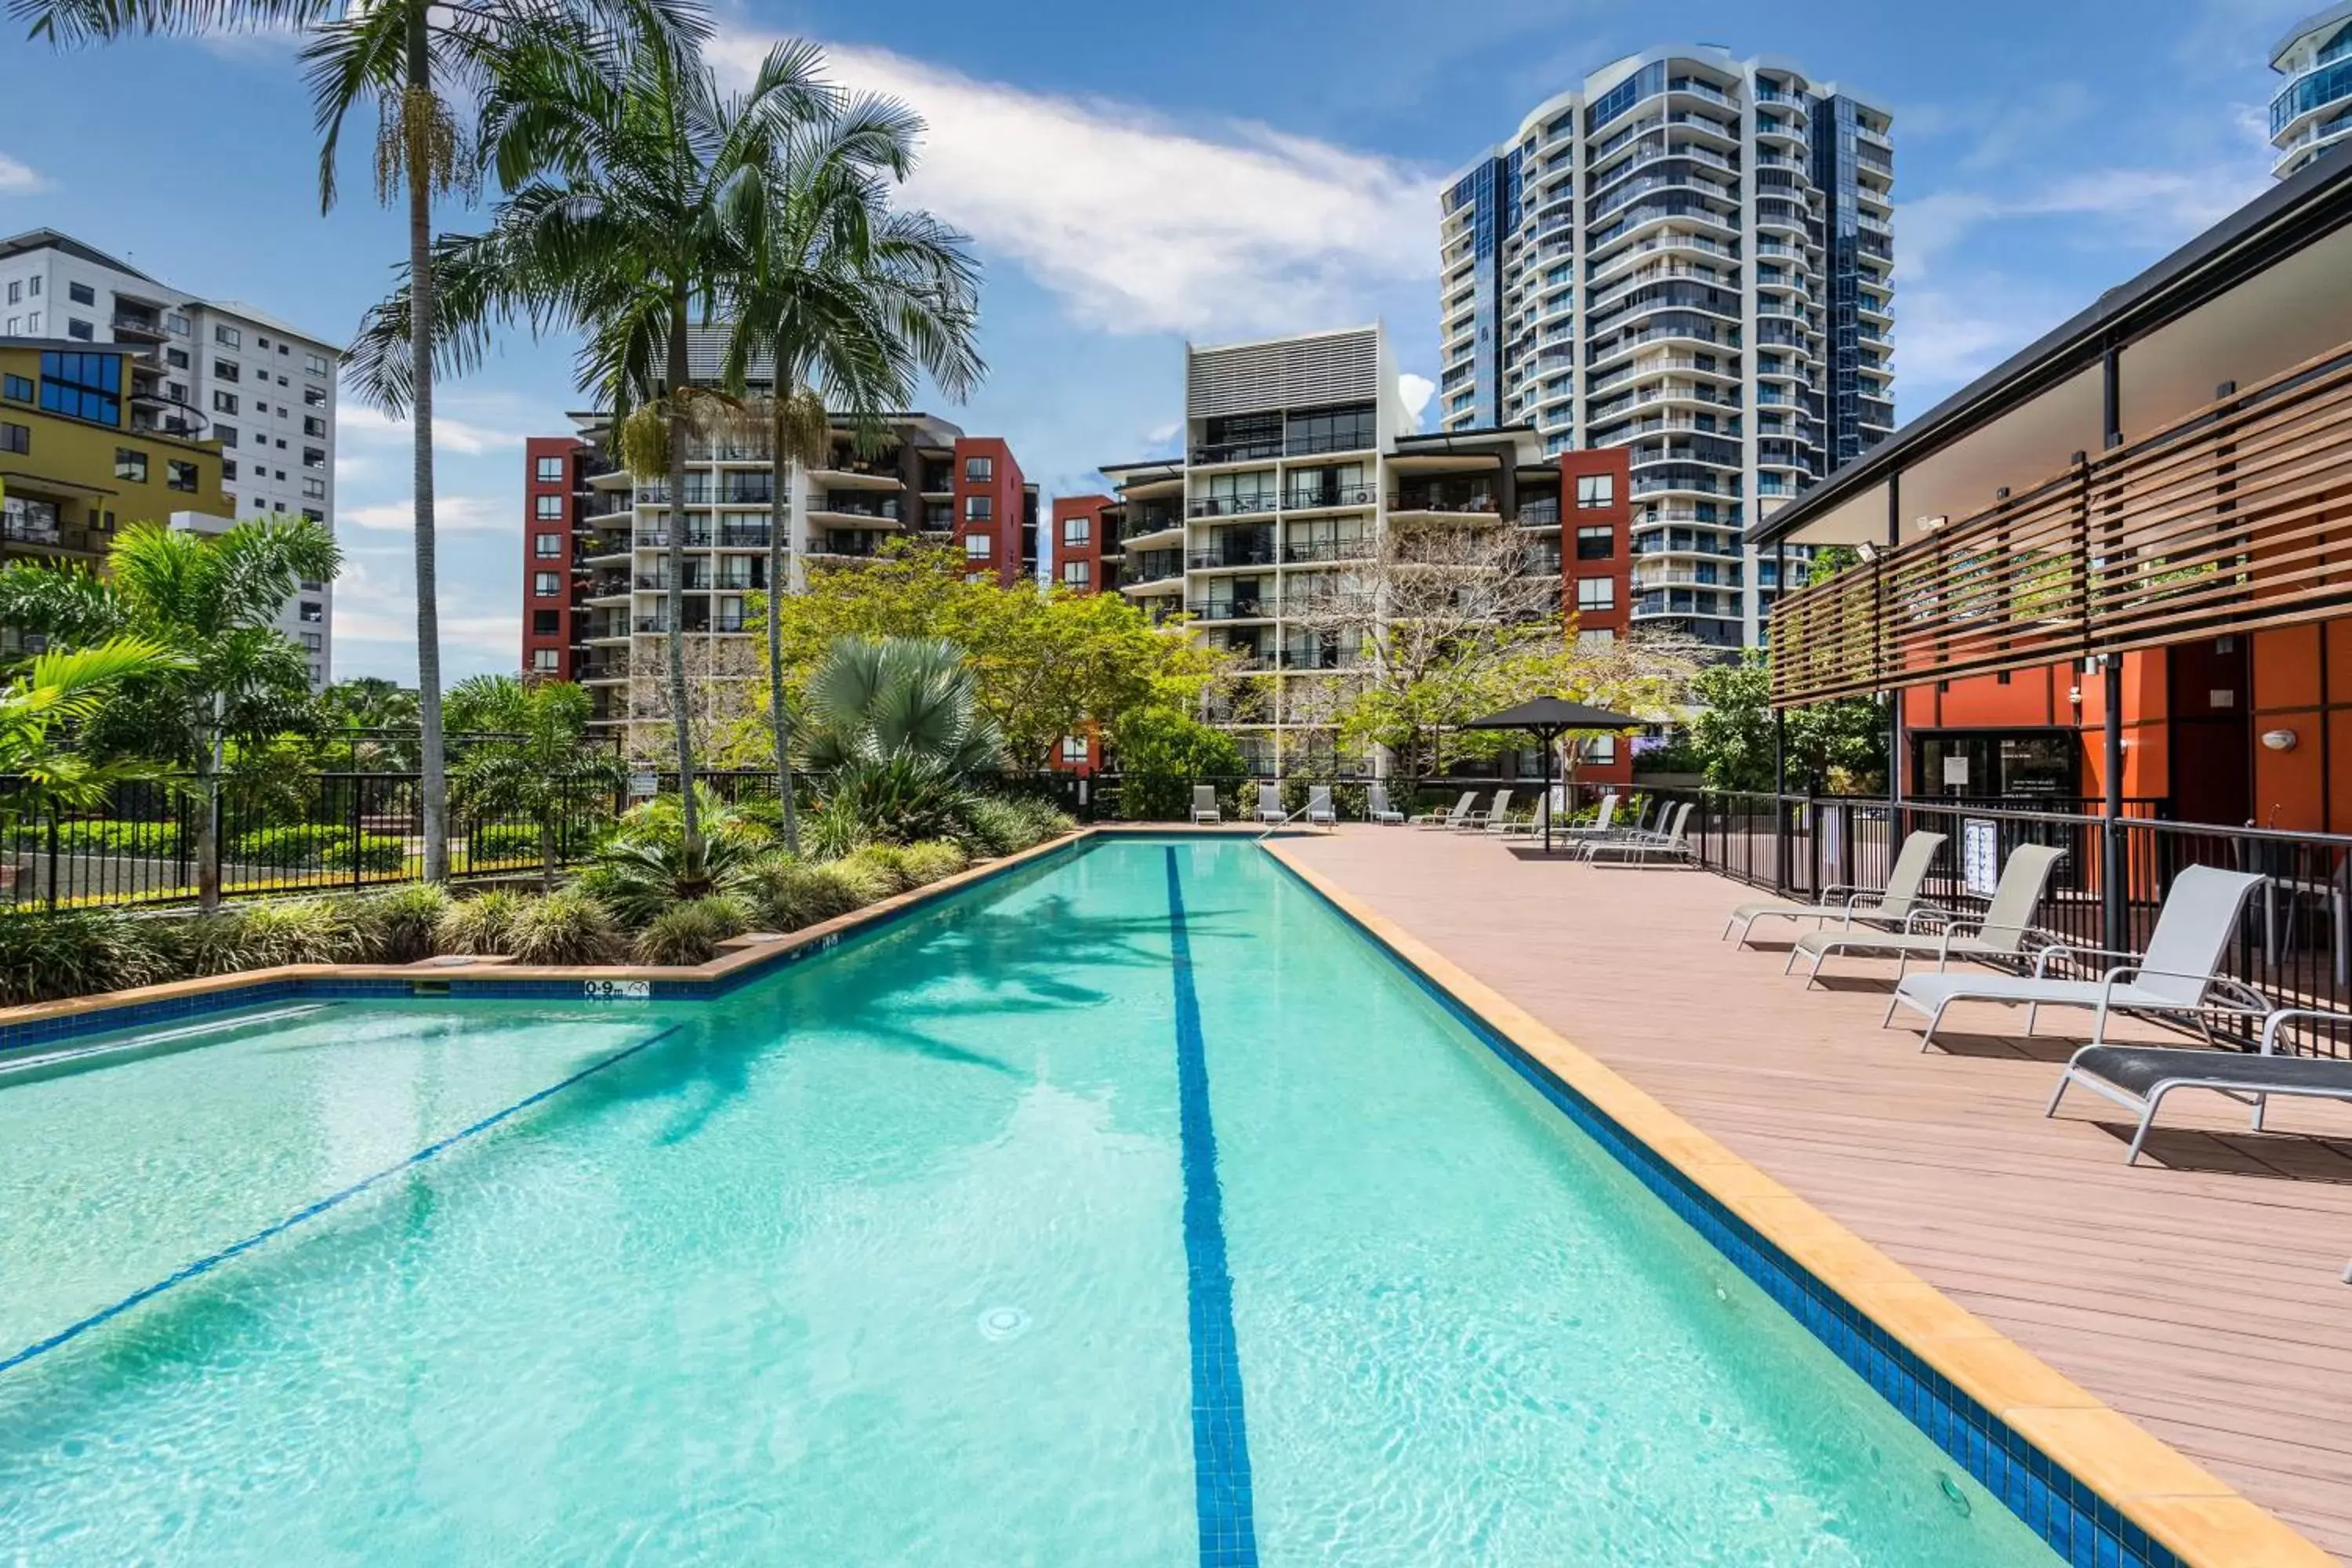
[(1979, 854), (645, 785)]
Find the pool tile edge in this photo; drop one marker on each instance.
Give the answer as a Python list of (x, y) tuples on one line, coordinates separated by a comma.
[(2079, 1470)]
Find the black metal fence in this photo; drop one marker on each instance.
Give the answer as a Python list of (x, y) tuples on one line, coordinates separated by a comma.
[(2294, 944)]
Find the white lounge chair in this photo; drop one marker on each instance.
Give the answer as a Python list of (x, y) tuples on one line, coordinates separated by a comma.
[(2178, 974), (2000, 933), (1532, 827), (1602, 826), (1476, 821), (1448, 818), (1377, 807), (2139, 1077), (1204, 805), (1318, 807), (1269, 804), (1670, 842), (1890, 906)]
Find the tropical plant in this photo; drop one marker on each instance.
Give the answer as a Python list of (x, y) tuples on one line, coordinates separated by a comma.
[(876, 699), (994, 826), (374, 719), (1161, 753), (533, 760), (400, 923), (60, 693), (934, 859), (45, 956), (212, 602), (786, 894), (638, 879), (568, 927), (297, 931), (690, 933), (481, 925), (637, 197)]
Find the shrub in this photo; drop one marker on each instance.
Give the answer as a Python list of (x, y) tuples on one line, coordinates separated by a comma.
[(935, 858), (832, 831), (897, 799), (994, 826), (690, 933), (210, 945), (502, 841), (887, 862), (786, 894), (45, 956), (638, 879), (481, 925), (869, 883), (308, 846), (159, 840), (296, 930), (567, 927), (398, 925)]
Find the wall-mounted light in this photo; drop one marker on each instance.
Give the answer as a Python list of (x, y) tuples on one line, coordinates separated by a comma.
[(2279, 739), (1867, 551)]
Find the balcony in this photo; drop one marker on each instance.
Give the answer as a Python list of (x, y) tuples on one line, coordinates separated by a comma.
[(1328, 549), (1236, 451), (1328, 497), (1261, 554), (137, 326), (852, 503), (1230, 506), (654, 625), (1464, 503), (1229, 610)]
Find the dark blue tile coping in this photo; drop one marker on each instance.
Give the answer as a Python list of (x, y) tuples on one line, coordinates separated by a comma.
[(2084, 1527), (1220, 1464), (25, 1036)]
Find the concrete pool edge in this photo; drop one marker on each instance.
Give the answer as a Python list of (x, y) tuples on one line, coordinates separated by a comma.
[(26, 1027), (1908, 1339)]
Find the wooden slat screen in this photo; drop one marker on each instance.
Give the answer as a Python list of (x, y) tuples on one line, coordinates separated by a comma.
[(2236, 518)]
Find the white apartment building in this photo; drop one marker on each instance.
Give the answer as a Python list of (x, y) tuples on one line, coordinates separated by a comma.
[(1687, 255), (213, 370), (2312, 114)]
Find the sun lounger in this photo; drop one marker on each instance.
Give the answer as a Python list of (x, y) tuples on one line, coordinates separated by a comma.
[(1448, 818), (1269, 804), (1532, 827), (1377, 807), (1670, 843), (1204, 804), (1318, 807), (2001, 933), (1600, 826), (1889, 906), (2176, 977), (1476, 821), (2138, 1076)]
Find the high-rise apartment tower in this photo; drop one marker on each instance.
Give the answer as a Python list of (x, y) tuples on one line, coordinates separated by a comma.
[(2311, 115), (1688, 256)]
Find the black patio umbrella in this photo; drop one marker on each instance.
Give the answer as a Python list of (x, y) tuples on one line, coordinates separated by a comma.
[(1548, 718)]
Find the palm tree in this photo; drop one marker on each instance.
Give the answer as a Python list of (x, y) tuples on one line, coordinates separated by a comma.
[(406, 55), (848, 303), (895, 732), (533, 758), (59, 692), (638, 197), (213, 604)]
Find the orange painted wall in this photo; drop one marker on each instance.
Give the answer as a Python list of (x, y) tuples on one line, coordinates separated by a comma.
[(2057, 695)]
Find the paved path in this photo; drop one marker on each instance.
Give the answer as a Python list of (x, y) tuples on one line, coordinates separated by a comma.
[(2199, 1292)]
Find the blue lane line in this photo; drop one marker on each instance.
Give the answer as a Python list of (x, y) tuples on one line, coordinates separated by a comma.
[(204, 1265), (1221, 1466)]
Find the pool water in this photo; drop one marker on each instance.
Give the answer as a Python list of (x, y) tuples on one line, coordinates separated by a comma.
[(1129, 1210)]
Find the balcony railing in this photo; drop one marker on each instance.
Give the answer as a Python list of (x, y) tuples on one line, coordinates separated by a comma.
[(1252, 556), (1230, 609), (1423, 500), (1230, 506), (1328, 549), (1329, 495), (2223, 522)]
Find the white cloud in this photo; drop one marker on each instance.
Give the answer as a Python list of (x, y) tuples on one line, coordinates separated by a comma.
[(481, 624), (374, 428), (451, 514), (1144, 227), (2136, 208), (18, 178), (1415, 391)]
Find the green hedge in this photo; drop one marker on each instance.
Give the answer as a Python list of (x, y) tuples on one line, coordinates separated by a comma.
[(309, 845), (503, 841)]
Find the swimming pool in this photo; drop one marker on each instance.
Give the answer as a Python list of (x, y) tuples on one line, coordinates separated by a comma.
[(1129, 1208)]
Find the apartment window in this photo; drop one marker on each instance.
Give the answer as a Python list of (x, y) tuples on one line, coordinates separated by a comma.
[(83, 386), (542, 660), (15, 439), (16, 326), (545, 623), (76, 328), (547, 546), (1596, 593), (313, 490), (178, 474), (261, 342), (1597, 636), (81, 293), (225, 402), (1074, 749), (228, 469), (33, 287), (228, 337), (130, 463), (16, 291), (1596, 490), (979, 470), (1595, 543), (315, 642), (314, 427), (315, 364), (546, 584), (980, 547), (979, 509), (314, 397), (550, 470), (312, 611), (1077, 529), (228, 369), (177, 324), (33, 322), (1600, 749), (549, 509), (17, 388), (314, 456), (311, 514), (1077, 574)]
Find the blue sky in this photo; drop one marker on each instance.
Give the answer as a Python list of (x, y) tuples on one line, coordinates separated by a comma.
[(1133, 177)]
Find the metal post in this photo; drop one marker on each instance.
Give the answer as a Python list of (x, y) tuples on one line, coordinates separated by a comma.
[(1779, 748), (1894, 689), (358, 859), (2114, 891), (53, 861)]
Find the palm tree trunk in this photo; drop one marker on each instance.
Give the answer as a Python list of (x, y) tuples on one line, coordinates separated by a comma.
[(779, 471), (208, 857), (675, 373), (432, 765)]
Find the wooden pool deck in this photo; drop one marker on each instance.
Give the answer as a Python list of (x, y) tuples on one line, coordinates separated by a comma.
[(2198, 1292)]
